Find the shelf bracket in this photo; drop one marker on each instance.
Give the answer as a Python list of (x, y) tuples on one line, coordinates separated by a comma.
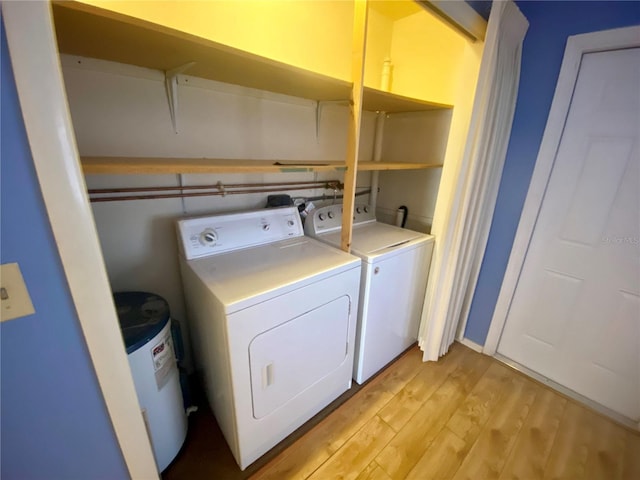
[(171, 84)]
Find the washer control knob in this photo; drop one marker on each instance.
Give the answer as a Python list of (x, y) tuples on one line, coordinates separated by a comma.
[(266, 227), (291, 223), (330, 214), (208, 237), (358, 210), (366, 209), (321, 217)]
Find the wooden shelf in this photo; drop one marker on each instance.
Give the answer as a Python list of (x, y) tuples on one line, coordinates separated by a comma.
[(371, 166), (379, 101), (136, 165), (89, 31), (151, 165)]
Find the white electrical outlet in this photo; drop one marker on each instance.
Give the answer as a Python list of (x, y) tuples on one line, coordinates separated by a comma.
[(14, 296)]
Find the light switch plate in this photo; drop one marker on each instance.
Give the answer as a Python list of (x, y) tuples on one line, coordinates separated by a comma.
[(16, 301)]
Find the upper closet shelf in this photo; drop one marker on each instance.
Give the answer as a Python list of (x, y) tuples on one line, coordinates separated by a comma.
[(138, 165), (373, 166), (380, 101), (97, 33), (132, 165), (89, 31)]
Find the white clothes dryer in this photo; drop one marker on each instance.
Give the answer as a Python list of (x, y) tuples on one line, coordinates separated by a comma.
[(272, 315), (395, 268)]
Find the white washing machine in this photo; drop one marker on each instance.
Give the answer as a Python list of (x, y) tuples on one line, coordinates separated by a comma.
[(273, 317), (395, 267)]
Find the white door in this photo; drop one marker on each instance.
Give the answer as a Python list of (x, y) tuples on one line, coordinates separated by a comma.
[(575, 312)]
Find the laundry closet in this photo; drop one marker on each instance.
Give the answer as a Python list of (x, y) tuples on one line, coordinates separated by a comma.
[(252, 99)]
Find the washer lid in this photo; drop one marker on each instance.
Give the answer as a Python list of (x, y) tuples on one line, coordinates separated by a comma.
[(243, 278), (142, 316), (373, 240)]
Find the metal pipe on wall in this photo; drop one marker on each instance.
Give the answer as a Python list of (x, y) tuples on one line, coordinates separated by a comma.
[(331, 197), (377, 156), (217, 190), (207, 187)]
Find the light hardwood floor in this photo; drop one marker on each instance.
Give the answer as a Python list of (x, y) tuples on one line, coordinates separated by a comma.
[(466, 416)]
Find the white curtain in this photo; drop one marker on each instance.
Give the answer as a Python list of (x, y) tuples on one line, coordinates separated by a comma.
[(461, 246)]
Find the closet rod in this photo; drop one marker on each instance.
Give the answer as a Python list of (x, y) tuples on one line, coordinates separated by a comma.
[(224, 192), (219, 185)]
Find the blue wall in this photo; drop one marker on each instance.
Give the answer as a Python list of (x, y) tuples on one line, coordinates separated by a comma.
[(550, 23), (54, 424), (483, 7)]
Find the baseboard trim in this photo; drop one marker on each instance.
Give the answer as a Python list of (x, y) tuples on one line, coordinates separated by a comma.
[(471, 344)]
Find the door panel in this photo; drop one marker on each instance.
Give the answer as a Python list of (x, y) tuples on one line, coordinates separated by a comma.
[(604, 166), (575, 313)]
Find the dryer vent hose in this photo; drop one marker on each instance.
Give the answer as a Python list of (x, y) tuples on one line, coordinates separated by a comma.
[(401, 216)]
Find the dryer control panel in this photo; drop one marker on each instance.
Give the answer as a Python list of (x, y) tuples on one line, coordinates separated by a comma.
[(214, 234), (329, 218)]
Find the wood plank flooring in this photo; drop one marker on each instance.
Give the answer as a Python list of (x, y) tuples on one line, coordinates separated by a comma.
[(466, 416)]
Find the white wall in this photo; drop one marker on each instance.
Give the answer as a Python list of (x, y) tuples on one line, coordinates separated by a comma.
[(120, 110), (413, 137)]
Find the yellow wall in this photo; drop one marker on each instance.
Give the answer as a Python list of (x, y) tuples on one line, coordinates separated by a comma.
[(426, 55), (379, 35), (314, 35)]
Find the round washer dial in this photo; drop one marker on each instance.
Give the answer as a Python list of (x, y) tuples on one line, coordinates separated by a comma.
[(208, 237)]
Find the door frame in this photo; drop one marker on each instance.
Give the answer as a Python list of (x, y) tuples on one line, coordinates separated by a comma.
[(577, 46)]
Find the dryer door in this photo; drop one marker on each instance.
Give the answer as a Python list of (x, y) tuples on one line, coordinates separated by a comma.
[(289, 358)]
